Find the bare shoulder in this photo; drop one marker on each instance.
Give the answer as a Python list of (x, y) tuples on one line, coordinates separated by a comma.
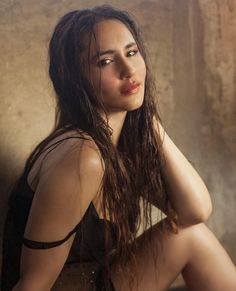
[(66, 150), (71, 164), (64, 190)]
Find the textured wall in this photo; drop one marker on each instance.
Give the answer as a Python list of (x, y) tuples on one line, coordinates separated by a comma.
[(192, 44)]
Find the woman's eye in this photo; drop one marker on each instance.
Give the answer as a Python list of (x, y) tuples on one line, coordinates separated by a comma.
[(105, 62), (132, 53)]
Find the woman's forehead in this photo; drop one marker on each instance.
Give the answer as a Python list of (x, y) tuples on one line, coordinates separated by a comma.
[(111, 34)]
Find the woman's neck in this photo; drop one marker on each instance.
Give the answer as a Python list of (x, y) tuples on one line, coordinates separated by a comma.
[(116, 121)]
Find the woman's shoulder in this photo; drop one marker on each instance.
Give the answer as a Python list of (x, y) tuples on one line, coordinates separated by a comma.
[(71, 150), (64, 190)]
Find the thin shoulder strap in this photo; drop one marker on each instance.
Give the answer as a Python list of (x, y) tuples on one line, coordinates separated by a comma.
[(52, 147), (55, 144)]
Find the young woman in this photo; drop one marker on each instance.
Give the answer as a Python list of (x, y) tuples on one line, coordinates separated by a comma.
[(80, 196)]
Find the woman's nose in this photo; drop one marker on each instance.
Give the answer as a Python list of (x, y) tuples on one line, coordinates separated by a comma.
[(127, 70)]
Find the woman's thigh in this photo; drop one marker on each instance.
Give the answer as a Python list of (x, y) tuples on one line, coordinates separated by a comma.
[(188, 251), (171, 253)]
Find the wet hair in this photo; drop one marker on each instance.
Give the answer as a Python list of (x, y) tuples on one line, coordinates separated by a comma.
[(132, 170)]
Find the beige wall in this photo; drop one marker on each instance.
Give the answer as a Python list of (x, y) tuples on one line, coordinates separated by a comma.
[(193, 50)]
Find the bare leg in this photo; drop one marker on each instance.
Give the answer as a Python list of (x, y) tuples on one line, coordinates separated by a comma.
[(194, 251)]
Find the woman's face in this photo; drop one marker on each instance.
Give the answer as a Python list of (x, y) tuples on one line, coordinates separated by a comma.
[(118, 71)]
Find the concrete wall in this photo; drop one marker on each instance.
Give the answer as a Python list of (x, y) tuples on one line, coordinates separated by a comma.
[(192, 44)]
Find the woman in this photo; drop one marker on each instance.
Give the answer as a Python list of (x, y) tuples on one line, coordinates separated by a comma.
[(79, 196)]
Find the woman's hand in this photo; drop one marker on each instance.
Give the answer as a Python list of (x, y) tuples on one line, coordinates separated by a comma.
[(186, 190)]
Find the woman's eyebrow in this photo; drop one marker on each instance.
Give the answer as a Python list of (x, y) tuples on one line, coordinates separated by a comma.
[(110, 51)]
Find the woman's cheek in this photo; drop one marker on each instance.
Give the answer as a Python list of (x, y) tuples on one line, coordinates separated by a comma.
[(142, 68), (107, 84)]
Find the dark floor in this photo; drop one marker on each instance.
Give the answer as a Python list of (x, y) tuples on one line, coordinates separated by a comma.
[(178, 289)]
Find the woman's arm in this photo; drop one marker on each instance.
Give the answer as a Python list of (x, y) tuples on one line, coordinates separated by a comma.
[(186, 190), (62, 196)]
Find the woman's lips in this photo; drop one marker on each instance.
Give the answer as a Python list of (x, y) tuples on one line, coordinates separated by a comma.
[(130, 89)]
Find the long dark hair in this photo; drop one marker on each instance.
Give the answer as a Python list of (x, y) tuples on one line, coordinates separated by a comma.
[(132, 169)]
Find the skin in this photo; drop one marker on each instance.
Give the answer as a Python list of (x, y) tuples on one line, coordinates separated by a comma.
[(194, 251), (118, 64), (194, 244)]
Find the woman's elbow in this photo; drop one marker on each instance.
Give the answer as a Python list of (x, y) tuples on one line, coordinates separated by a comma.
[(204, 209), (201, 215), (204, 215), (207, 208)]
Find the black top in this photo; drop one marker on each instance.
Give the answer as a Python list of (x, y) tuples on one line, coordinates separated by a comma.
[(88, 245)]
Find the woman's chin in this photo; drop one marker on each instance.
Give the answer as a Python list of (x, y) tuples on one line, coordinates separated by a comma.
[(126, 106), (135, 105)]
